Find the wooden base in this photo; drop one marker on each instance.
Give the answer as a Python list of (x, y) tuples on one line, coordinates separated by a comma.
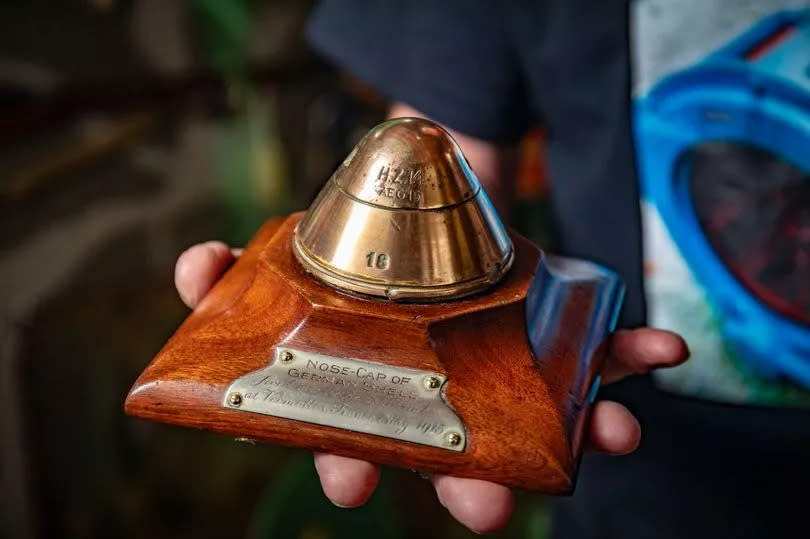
[(524, 420)]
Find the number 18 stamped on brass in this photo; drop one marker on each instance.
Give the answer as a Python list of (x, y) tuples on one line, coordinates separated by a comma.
[(398, 321)]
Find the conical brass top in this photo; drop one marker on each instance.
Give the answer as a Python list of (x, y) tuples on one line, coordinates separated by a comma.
[(404, 217)]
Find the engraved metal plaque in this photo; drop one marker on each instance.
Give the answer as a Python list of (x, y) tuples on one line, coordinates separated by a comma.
[(352, 394)]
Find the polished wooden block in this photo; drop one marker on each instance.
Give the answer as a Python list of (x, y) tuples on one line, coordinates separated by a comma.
[(519, 369)]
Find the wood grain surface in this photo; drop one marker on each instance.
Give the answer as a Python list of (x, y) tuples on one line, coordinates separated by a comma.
[(524, 426)]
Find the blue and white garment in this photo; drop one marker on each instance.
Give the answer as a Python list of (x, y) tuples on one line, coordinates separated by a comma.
[(727, 256)]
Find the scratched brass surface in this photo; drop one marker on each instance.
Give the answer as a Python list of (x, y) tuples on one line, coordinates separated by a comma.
[(405, 218)]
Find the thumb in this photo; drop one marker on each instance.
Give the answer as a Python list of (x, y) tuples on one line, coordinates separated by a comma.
[(198, 268)]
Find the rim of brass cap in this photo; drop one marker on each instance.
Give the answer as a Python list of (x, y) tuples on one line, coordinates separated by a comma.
[(404, 218)]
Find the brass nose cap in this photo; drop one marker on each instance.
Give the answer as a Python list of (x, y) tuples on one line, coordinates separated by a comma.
[(405, 218)]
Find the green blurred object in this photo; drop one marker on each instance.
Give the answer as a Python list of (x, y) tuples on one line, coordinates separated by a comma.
[(293, 506), (250, 157), (225, 29), (538, 519), (251, 169)]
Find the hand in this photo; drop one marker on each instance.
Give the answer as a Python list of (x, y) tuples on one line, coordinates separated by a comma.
[(479, 505)]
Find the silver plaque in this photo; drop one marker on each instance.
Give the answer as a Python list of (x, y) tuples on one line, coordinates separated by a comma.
[(351, 394)]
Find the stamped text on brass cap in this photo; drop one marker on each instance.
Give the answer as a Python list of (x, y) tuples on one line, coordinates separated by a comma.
[(408, 163), (404, 217)]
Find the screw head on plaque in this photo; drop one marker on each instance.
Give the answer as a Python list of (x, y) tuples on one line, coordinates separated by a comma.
[(397, 321)]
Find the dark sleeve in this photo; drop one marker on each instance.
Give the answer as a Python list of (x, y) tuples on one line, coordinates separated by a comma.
[(450, 60), (576, 54)]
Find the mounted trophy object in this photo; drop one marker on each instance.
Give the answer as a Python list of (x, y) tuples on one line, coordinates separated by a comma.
[(397, 321)]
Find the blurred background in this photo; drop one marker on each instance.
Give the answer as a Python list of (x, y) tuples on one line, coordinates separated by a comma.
[(130, 130)]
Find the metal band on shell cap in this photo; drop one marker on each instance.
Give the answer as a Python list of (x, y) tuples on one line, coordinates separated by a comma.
[(404, 218)]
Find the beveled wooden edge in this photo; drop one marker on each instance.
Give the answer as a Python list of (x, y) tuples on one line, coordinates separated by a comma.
[(266, 299)]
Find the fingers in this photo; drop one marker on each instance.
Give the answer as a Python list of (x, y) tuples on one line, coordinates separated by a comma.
[(641, 350), (480, 505), (613, 429), (198, 268), (346, 482)]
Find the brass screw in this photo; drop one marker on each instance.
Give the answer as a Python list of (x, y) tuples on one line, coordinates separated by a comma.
[(286, 357), (432, 382), (246, 440), (235, 400), (452, 438)]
